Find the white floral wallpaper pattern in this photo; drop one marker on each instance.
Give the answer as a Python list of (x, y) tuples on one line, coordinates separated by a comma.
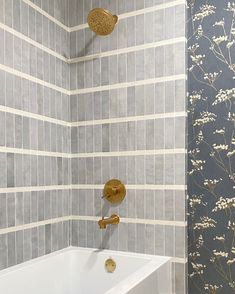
[(211, 162)]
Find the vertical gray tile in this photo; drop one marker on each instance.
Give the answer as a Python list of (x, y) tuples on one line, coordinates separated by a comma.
[(169, 241), (159, 204), (169, 205), (27, 207), (19, 247), (27, 245), (140, 27), (41, 240), (3, 170), (140, 236), (19, 209), (150, 134), (139, 65), (139, 100), (149, 68), (10, 170), (149, 204), (11, 252), (149, 169), (159, 240), (149, 239), (3, 207), (105, 138), (132, 245), (48, 242), (3, 251)]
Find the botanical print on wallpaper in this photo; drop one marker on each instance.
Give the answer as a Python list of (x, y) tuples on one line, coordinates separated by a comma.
[(211, 161)]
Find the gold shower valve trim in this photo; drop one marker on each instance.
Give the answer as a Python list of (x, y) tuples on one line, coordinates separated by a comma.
[(114, 191), (101, 21)]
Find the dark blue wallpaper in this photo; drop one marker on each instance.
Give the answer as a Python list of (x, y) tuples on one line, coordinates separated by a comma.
[(211, 161)]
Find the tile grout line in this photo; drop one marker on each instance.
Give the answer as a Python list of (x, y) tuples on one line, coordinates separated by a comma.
[(4, 149), (34, 225), (121, 16), (129, 84), (87, 187), (32, 115), (129, 119), (90, 218), (130, 153), (131, 187), (34, 188), (33, 152), (134, 220), (40, 117)]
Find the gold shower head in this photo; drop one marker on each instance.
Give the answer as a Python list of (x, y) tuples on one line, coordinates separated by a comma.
[(101, 21)]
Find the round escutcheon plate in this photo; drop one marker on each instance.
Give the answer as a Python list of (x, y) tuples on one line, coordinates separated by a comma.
[(114, 191)]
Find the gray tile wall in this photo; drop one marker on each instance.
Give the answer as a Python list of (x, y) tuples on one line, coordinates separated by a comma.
[(152, 220), (36, 137), (21, 17), (55, 8), (34, 134), (130, 101)]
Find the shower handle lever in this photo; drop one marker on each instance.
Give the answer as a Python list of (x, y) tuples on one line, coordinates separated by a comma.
[(114, 190)]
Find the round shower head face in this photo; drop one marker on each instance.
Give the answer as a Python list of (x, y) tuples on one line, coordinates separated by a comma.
[(101, 21)]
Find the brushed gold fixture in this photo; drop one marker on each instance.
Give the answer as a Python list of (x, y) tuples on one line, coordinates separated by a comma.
[(110, 265), (113, 220), (114, 191), (101, 21)]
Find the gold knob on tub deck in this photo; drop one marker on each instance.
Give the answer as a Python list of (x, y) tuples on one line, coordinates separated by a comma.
[(110, 265), (114, 191)]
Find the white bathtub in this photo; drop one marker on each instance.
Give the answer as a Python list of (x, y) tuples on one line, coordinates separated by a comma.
[(82, 271)]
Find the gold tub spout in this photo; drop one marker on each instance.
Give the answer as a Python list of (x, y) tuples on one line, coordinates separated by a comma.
[(112, 220)]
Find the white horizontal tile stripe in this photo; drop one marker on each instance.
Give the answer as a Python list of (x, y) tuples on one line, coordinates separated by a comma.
[(179, 260), (34, 188), (128, 119), (130, 84), (34, 225), (130, 153), (92, 122), (131, 187), (32, 42), (135, 221), (34, 116), (78, 27), (136, 12), (84, 187), (33, 152), (128, 49), (33, 79), (4, 149), (37, 8), (89, 218)]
